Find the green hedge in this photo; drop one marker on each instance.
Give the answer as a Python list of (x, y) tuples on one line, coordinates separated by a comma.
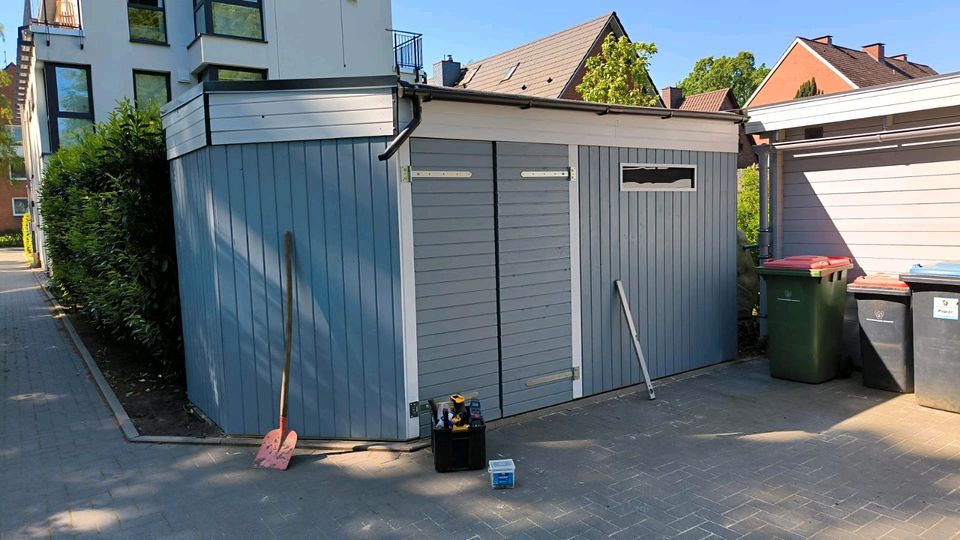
[(9, 239), (108, 224)]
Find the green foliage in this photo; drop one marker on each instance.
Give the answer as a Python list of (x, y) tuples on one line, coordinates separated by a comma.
[(748, 203), (739, 73), (108, 221), (808, 89), (7, 142), (9, 239), (26, 236), (618, 75)]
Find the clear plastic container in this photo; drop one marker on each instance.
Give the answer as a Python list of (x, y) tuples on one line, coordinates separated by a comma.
[(502, 473)]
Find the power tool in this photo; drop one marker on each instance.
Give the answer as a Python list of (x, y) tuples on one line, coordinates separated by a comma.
[(461, 413)]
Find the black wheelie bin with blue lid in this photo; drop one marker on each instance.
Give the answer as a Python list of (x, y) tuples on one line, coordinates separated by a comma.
[(936, 333)]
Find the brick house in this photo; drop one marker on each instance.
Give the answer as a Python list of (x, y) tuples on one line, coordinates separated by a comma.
[(715, 101), (13, 185), (550, 67), (835, 68)]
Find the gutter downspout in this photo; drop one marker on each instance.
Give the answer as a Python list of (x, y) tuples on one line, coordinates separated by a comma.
[(405, 133), (763, 238)]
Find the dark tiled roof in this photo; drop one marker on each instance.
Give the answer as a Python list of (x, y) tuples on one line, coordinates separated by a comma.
[(709, 101), (543, 67), (863, 70)]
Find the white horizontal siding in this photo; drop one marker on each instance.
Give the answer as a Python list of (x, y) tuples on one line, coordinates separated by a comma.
[(473, 121), (185, 128), (237, 118), (887, 209), (921, 94)]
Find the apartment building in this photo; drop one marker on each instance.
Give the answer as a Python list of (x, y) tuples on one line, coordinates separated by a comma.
[(77, 58)]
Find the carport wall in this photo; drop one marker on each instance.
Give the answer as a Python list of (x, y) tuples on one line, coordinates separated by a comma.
[(361, 338)]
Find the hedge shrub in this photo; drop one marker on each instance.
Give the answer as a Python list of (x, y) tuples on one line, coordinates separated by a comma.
[(108, 224), (9, 239)]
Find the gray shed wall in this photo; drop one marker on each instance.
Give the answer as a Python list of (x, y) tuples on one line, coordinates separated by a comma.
[(674, 251), (232, 205)]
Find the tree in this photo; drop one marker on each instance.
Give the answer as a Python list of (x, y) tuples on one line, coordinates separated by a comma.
[(7, 142), (808, 89), (739, 73), (618, 75)]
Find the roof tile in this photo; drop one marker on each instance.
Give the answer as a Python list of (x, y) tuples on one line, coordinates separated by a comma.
[(863, 70)]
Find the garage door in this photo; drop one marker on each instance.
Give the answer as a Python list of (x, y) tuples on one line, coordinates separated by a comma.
[(492, 265)]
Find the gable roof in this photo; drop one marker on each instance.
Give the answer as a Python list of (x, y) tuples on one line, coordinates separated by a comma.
[(857, 68), (863, 70), (541, 68), (710, 101)]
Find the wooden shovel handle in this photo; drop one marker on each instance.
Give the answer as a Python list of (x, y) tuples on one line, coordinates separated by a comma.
[(287, 325)]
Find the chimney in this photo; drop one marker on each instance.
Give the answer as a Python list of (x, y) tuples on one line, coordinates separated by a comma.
[(672, 97), (875, 50), (902, 57), (826, 40), (446, 72)]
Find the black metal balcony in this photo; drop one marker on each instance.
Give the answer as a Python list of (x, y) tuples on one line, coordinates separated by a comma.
[(408, 51)]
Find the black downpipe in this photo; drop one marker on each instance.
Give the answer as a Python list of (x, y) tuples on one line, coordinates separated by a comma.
[(405, 132), (496, 262)]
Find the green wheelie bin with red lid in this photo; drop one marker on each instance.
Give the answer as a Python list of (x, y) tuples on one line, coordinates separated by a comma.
[(805, 301)]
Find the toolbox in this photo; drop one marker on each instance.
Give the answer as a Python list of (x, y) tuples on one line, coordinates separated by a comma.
[(458, 436)]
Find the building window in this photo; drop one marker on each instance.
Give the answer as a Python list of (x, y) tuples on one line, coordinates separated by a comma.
[(20, 206), (233, 18), (147, 20), (151, 88), (70, 102), (224, 73), (813, 132), (18, 168), (657, 177)]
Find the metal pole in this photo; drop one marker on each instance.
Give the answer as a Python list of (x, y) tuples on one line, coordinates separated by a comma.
[(636, 340), (763, 153)]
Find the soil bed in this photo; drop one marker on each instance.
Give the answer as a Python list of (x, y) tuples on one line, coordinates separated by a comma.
[(154, 397)]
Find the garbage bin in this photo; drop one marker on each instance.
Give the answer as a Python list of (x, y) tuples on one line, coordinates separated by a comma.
[(936, 334), (805, 301), (886, 349)]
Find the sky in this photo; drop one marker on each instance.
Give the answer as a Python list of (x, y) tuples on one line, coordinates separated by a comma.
[(684, 31)]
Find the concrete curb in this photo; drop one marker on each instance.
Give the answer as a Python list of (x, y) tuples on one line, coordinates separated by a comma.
[(131, 434)]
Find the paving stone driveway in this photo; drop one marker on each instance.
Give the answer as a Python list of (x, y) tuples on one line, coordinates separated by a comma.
[(727, 452)]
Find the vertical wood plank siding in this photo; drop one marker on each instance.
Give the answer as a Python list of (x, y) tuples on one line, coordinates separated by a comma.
[(676, 255), (233, 204)]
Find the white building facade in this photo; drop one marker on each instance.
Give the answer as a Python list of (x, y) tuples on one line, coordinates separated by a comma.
[(77, 58)]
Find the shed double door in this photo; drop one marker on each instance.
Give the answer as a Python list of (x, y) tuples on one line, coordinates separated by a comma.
[(491, 229)]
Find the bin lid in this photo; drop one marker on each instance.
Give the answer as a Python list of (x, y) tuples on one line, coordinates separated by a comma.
[(501, 465), (807, 262), (943, 268), (880, 283)]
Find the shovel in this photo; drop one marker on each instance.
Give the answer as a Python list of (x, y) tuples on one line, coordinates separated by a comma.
[(277, 447)]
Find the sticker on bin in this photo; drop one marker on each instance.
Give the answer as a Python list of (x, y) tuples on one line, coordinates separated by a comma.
[(502, 473), (947, 309)]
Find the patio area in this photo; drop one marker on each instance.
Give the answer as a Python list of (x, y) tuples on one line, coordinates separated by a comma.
[(723, 452)]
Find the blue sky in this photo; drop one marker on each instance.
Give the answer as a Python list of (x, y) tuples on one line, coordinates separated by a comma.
[(683, 30)]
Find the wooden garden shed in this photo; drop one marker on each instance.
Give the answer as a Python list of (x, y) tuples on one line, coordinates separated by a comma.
[(446, 240)]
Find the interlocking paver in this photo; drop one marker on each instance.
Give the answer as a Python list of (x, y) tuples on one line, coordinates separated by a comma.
[(722, 453)]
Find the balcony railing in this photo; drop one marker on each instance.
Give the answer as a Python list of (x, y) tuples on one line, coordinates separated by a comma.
[(408, 51), (57, 13)]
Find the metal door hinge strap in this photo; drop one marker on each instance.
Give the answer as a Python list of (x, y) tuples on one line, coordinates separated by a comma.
[(571, 374)]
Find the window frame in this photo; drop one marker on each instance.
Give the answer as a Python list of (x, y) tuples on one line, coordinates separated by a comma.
[(638, 188), (217, 67), (53, 100), (13, 206), (207, 7), (164, 74), (10, 170), (163, 10)]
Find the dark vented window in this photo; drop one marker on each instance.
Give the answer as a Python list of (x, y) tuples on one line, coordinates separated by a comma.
[(813, 132), (657, 177)]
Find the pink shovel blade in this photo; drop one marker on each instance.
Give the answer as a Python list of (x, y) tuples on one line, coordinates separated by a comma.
[(275, 453)]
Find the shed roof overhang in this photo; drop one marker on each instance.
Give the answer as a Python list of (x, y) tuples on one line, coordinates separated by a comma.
[(876, 101)]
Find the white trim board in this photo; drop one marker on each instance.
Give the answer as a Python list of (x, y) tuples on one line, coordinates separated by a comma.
[(482, 122), (408, 293), (871, 102), (576, 323)]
